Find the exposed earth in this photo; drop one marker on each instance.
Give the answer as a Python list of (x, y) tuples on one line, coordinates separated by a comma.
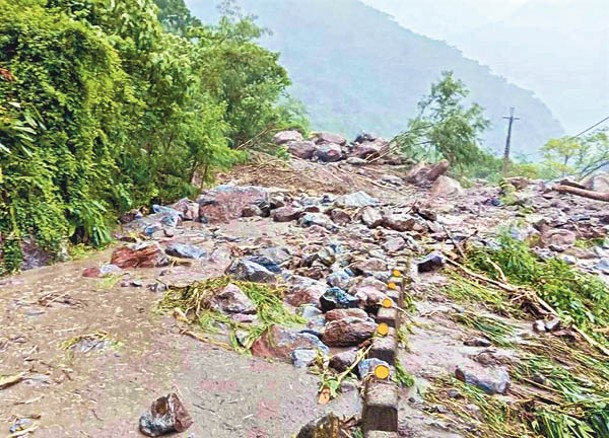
[(93, 351)]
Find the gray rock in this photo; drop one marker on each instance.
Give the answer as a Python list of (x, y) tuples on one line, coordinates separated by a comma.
[(303, 358), (276, 254), (185, 251), (342, 361), (340, 279), (371, 217), (308, 311), (603, 265), (166, 415), (231, 299), (246, 270), (326, 137), (432, 262), (329, 153), (302, 149), (499, 384), (286, 214), (335, 298), (355, 161), (319, 219), (355, 200)]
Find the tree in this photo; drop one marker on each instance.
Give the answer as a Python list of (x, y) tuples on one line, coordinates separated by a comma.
[(445, 126), (578, 157)]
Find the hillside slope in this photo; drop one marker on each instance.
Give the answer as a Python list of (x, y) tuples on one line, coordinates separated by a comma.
[(356, 69)]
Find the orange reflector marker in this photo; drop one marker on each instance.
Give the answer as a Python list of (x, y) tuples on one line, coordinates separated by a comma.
[(397, 273), (387, 303), (391, 285), (382, 372), (382, 329)]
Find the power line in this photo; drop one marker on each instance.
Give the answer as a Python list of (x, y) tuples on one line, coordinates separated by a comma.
[(590, 128)]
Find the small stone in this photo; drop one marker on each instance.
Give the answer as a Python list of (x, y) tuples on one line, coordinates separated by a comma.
[(369, 296), (278, 342), (553, 325), (340, 279), (335, 298), (166, 415), (445, 187), (251, 211), (308, 311), (394, 244), (539, 326), (339, 216), (348, 332), (400, 222), (477, 342)]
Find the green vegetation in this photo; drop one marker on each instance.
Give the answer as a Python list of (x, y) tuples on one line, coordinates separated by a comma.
[(109, 105), (402, 376), (578, 157), (193, 305), (579, 298)]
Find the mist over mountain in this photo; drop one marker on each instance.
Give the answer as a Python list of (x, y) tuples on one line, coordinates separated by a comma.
[(355, 69), (558, 48)]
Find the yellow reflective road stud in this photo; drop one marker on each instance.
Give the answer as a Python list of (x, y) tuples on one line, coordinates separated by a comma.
[(382, 372), (387, 303), (391, 285), (382, 329), (397, 273)]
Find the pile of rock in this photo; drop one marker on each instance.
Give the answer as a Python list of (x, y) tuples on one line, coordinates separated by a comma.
[(330, 148)]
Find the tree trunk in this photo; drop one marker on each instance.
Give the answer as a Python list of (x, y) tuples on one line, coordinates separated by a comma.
[(581, 192)]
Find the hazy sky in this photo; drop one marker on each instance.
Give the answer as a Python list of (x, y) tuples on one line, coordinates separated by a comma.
[(557, 48)]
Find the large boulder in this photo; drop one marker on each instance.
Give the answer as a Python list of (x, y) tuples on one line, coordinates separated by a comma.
[(348, 332), (424, 174), (597, 183), (368, 149), (326, 137), (335, 298), (140, 255), (226, 202), (329, 153), (302, 149), (284, 137), (445, 187), (355, 200), (278, 342), (187, 208)]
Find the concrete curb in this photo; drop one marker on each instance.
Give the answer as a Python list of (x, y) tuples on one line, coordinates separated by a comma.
[(380, 413)]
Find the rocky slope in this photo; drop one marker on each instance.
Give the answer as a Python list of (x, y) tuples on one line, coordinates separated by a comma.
[(290, 261)]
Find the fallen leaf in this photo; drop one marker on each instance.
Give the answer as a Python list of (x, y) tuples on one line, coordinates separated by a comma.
[(324, 396), (6, 381)]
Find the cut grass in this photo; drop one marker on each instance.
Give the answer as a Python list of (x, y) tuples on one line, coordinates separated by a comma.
[(499, 332)]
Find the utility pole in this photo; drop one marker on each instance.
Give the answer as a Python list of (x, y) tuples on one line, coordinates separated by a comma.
[(508, 141)]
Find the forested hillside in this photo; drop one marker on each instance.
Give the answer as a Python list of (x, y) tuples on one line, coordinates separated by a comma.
[(104, 106), (356, 69)]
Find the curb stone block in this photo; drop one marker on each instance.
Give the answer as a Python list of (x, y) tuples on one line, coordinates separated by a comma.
[(388, 316), (384, 347), (380, 407)]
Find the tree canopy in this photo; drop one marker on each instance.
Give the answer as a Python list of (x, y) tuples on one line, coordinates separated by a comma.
[(110, 105)]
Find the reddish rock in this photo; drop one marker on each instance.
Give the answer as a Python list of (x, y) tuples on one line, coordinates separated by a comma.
[(142, 255), (91, 272), (400, 222), (286, 214), (424, 174), (302, 149), (326, 137), (305, 294), (336, 314), (342, 361), (225, 203), (329, 153), (188, 208), (369, 296), (561, 238), (340, 217), (368, 149), (369, 265), (166, 415), (348, 332), (278, 342), (284, 137)]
